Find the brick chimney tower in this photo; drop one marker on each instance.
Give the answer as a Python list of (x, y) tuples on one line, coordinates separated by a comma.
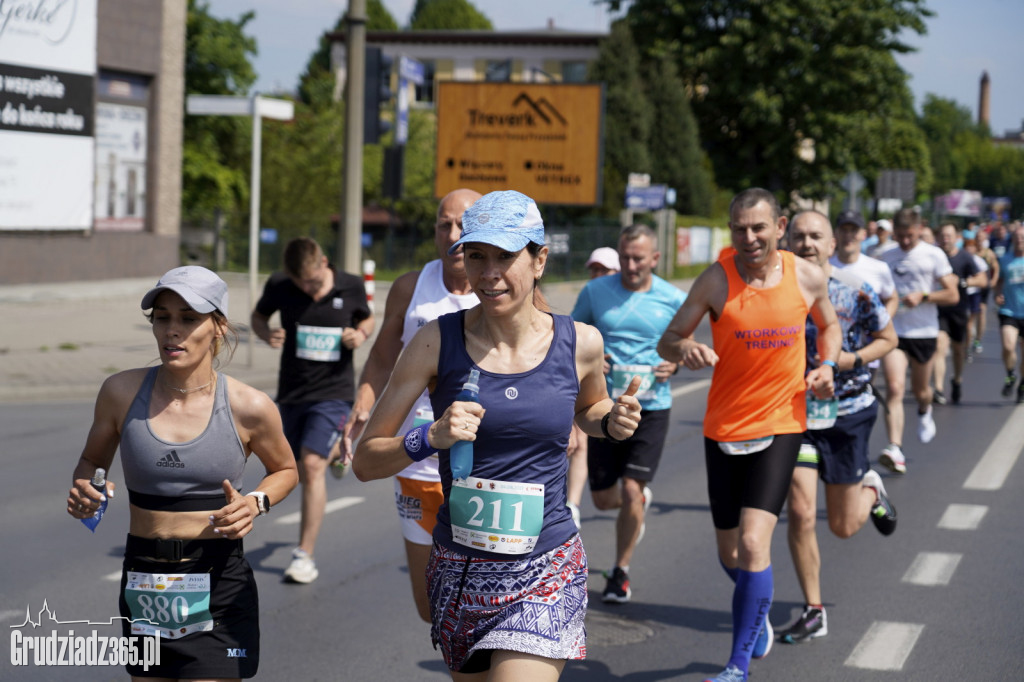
[(983, 104)]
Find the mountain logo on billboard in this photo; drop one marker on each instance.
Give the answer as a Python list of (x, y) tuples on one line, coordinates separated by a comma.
[(529, 113), (50, 20)]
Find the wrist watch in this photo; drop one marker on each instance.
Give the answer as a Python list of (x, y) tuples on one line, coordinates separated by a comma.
[(262, 501), (858, 362)]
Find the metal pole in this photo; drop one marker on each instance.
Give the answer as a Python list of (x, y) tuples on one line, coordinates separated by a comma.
[(254, 213), (350, 239)]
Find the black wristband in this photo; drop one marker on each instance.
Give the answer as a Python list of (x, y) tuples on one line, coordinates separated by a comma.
[(604, 428), (858, 362)]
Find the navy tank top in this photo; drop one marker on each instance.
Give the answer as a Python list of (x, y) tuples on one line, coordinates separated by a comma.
[(165, 476), (524, 435)]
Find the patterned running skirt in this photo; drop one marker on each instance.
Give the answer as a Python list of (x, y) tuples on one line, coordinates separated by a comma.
[(534, 606)]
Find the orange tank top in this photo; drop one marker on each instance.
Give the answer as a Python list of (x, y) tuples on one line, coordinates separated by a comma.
[(758, 387)]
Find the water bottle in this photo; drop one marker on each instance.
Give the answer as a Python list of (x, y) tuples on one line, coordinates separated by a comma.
[(338, 467), (99, 481), (461, 452)]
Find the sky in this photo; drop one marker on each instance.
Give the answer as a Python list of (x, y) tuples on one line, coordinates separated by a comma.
[(965, 38)]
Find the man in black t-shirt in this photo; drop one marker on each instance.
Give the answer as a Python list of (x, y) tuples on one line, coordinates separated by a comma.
[(324, 317), (953, 319)]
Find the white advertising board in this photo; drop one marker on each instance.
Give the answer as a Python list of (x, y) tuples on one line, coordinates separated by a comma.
[(47, 81)]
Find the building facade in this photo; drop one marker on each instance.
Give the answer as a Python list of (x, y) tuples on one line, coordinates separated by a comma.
[(91, 115)]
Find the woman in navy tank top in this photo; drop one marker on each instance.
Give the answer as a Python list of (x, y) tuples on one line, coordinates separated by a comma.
[(507, 577), (185, 432)]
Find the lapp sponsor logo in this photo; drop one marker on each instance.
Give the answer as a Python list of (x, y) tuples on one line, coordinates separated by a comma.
[(171, 460)]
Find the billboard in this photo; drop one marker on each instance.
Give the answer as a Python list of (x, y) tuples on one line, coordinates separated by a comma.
[(542, 139), (47, 80)]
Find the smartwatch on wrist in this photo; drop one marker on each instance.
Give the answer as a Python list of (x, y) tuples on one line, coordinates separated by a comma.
[(262, 501)]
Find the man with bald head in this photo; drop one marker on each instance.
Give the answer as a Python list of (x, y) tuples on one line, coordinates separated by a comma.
[(837, 452), (416, 298)]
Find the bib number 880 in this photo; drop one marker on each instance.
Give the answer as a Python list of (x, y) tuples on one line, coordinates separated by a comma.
[(164, 610)]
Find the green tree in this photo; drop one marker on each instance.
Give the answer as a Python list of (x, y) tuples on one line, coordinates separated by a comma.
[(216, 148), (448, 15), (627, 114), (674, 142), (765, 76), (951, 132), (316, 84)]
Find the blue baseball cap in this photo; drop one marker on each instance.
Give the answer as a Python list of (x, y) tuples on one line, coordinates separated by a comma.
[(507, 219)]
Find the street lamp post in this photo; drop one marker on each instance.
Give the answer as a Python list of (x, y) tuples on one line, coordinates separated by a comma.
[(259, 108)]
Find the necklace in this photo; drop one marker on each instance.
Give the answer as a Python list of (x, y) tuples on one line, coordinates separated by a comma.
[(186, 391)]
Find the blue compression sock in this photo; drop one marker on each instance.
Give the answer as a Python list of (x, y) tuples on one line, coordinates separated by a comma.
[(751, 602), (733, 573)]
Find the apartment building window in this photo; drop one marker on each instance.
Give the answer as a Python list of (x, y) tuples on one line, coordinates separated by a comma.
[(425, 92), (498, 70), (574, 72)]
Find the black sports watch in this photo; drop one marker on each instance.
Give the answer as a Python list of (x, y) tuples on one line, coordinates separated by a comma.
[(262, 501), (858, 362)]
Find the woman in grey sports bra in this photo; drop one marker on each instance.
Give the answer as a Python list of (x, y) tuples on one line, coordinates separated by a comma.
[(185, 432)]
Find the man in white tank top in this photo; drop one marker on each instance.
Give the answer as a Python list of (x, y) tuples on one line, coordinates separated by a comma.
[(416, 298)]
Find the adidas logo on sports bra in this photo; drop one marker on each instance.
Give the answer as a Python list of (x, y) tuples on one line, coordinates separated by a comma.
[(171, 460)]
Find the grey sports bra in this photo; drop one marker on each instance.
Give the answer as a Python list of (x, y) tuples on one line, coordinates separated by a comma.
[(165, 476)]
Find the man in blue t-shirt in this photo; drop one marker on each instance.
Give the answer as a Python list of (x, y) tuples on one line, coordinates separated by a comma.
[(631, 309), (1010, 299)]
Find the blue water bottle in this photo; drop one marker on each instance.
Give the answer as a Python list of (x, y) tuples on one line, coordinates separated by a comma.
[(99, 481), (461, 452)]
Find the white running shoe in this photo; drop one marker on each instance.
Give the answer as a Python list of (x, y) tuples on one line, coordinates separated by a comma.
[(926, 426), (892, 459), (302, 569)]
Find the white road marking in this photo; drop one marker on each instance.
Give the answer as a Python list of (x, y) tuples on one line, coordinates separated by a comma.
[(113, 577), (994, 466), (932, 568), (885, 646), (689, 388), (11, 614), (332, 506), (963, 516)]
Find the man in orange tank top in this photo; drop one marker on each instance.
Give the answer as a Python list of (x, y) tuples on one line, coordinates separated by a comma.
[(758, 299)]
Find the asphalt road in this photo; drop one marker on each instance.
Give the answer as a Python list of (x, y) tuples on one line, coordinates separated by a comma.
[(931, 602)]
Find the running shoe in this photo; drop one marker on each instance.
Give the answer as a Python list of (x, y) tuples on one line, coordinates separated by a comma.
[(957, 391), (764, 640), (575, 511), (925, 426), (938, 397), (648, 496), (1008, 383), (811, 625), (883, 514), (892, 459), (617, 590), (730, 674), (976, 347), (302, 569)]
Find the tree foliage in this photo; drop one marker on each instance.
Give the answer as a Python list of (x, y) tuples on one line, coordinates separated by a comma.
[(216, 148), (316, 84), (764, 76), (448, 15), (950, 133), (627, 114), (674, 141)]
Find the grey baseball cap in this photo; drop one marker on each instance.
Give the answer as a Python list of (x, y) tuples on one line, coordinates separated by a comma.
[(202, 289)]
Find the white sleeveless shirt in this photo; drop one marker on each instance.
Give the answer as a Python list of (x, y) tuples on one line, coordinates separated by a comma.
[(429, 301)]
